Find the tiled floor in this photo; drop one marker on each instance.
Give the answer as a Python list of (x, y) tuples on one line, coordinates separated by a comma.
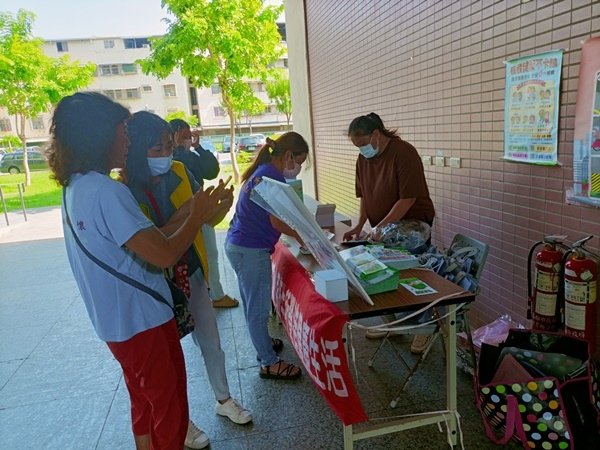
[(61, 389)]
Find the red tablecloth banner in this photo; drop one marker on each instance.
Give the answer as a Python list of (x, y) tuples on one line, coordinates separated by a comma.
[(314, 326)]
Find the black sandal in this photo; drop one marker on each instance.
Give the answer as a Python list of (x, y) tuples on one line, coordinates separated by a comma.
[(277, 345), (276, 372)]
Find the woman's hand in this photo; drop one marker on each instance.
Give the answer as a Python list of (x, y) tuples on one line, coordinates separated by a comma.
[(203, 204), (223, 207)]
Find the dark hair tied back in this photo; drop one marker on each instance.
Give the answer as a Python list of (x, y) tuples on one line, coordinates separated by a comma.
[(365, 125), (274, 148)]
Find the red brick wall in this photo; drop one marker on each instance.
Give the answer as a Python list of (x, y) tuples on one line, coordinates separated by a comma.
[(434, 70)]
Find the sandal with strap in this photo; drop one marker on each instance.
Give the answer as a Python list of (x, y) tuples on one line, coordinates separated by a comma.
[(281, 370)]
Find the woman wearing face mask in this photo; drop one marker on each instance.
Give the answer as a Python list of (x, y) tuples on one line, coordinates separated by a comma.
[(390, 179), (162, 187), (251, 240), (391, 185)]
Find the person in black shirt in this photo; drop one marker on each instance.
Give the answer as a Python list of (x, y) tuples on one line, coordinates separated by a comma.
[(204, 166)]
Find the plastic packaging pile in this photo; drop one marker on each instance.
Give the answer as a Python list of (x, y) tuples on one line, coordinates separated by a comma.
[(411, 235)]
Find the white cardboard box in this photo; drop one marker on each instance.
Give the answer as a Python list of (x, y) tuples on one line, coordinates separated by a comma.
[(325, 215), (331, 284)]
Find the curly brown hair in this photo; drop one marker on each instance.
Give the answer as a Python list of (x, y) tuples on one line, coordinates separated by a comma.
[(83, 131)]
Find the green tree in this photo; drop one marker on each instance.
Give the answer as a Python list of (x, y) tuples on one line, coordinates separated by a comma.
[(192, 120), (30, 81), (247, 106), (278, 90), (229, 41), (10, 141)]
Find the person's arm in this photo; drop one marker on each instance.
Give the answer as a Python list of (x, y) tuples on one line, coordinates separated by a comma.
[(284, 228), (208, 164), (362, 219), (397, 212), (164, 251)]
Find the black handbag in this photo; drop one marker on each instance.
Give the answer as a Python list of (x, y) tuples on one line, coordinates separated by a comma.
[(181, 312)]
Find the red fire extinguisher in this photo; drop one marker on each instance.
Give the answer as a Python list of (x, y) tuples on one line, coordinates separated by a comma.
[(543, 305), (580, 288)]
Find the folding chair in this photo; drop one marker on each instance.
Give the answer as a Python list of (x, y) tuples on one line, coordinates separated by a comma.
[(461, 245)]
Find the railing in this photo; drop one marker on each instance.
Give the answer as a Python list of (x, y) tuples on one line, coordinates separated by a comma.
[(21, 190)]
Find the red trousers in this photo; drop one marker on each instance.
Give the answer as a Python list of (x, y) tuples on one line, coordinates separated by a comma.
[(154, 370)]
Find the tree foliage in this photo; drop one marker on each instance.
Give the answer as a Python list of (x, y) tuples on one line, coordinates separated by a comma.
[(278, 90), (30, 81), (229, 41), (9, 142), (191, 120)]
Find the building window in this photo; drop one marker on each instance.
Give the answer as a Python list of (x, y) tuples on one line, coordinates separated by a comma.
[(215, 88), (147, 88), (109, 43), (133, 93), (107, 70), (62, 46), (37, 123), (116, 94), (128, 68), (136, 43), (5, 125), (285, 62), (170, 90), (219, 111)]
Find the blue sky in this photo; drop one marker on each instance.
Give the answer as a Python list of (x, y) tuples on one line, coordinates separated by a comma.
[(86, 18), (100, 18)]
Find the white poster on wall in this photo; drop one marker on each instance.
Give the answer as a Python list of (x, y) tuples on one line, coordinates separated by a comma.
[(531, 108)]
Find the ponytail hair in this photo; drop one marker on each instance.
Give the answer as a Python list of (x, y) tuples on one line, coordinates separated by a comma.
[(288, 141), (365, 125)]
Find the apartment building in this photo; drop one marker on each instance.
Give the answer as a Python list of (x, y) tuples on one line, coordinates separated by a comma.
[(119, 77), (214, 119)]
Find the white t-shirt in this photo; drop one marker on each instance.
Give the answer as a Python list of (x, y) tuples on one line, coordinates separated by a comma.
[(105, 215)]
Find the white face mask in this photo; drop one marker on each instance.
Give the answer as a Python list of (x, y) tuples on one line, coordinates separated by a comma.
[(186, 143), (291, 174), (160, 165), (368, 151)]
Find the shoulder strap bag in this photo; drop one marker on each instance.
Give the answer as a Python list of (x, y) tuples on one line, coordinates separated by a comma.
[(183, 317)]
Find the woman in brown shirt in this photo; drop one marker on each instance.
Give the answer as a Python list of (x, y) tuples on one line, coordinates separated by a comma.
[(390, 179)]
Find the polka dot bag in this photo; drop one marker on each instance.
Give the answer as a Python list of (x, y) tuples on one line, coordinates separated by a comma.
[(540, 389)]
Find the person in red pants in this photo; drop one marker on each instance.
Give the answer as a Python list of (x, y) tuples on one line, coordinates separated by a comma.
[(103, 223)]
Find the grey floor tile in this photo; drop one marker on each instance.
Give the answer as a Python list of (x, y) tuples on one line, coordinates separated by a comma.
[(64, 423), (17, 343), (37, 380), (7, 370)]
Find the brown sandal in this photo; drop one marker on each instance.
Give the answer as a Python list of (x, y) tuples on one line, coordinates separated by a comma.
[(281, 370)]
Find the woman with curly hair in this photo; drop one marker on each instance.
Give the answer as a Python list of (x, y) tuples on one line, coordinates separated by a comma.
[(103, 220)]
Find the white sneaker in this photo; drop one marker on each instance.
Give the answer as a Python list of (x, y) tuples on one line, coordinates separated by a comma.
[(420, 343), (380, 334), (195, 437), (236, 412)]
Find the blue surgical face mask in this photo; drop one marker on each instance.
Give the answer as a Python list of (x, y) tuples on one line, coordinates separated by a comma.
[(159, 166), (368, 151)]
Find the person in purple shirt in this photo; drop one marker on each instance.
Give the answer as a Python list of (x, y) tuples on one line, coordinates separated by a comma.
[(250, 242)]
